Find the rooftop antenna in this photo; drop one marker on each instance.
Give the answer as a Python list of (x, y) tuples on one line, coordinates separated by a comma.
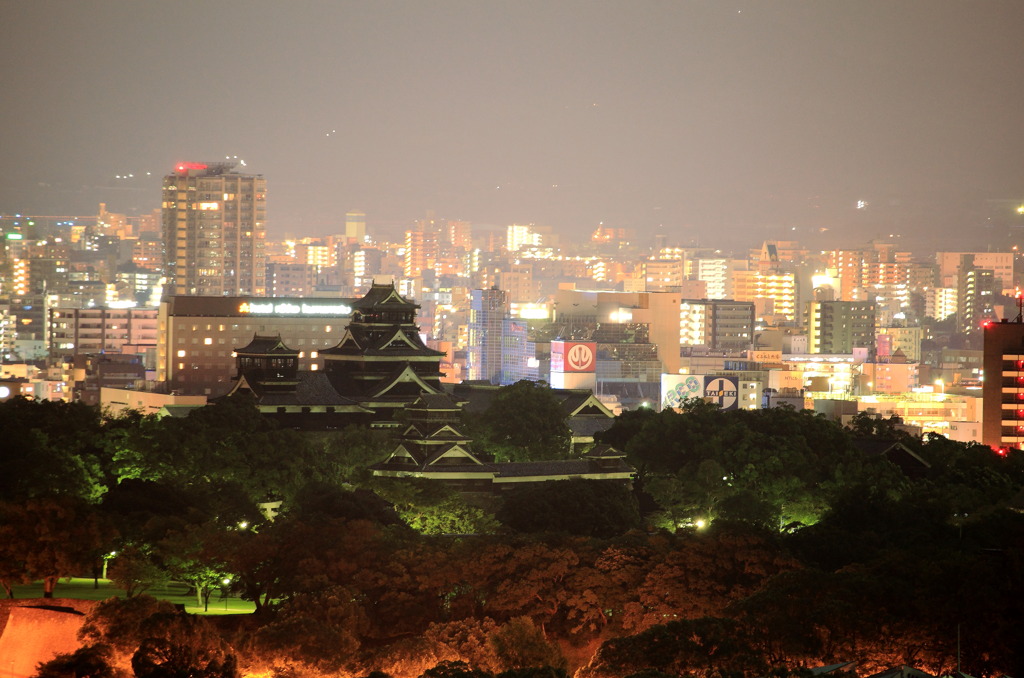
[(1020, 308)]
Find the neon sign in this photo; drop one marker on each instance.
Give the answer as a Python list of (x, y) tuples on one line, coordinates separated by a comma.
[(291, 308)]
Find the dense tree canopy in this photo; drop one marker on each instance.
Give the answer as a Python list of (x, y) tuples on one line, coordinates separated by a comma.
[(783, 546), (51, 448), (758, 463), (524, 422), (590, 508)]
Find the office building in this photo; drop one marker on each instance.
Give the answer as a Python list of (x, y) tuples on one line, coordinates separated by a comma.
[(622, 318), (197, 335), (718, 324), (840, 326), (291, 280), (214, 226), (77, 331)]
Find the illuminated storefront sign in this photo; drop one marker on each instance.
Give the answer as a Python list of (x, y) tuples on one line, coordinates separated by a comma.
[(292, 308)]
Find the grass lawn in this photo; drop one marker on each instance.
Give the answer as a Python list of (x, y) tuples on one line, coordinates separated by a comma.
[(84, 589)]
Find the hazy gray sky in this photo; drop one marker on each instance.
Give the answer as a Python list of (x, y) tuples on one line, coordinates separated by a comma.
[(691, 117)]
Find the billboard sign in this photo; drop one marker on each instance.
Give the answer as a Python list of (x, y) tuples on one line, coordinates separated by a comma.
[(723, 391), (675, 388), (573, 356)]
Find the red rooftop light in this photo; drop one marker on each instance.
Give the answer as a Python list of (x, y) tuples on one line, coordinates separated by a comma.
[(185, 166)]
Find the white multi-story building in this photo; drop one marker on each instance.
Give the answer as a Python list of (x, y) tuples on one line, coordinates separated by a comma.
[(519, 236)]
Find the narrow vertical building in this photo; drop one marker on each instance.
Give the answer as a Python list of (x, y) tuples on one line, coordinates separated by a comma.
[(214, 227), (487, 311), (1002, 418)]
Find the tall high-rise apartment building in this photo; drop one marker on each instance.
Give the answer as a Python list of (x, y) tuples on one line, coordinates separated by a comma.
[(976, 292), (487, 312), (420, 250), (214, 227)]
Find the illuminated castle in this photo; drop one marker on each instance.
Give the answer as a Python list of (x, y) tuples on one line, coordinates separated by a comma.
[(379, 366)]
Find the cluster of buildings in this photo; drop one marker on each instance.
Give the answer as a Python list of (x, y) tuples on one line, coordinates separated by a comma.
[(153, 310)]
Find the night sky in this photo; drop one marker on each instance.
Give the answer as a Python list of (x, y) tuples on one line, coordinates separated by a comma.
[(707, 121)]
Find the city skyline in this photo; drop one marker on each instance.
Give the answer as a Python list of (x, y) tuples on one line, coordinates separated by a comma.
[(704, 122)]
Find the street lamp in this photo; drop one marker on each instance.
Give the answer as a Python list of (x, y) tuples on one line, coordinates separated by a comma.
[(107, 557)]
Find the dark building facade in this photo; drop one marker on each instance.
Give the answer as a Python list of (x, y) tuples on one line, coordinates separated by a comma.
[(1002, 420), (196, 336)]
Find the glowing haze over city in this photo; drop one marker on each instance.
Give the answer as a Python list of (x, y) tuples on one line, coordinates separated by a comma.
[(716, 123)]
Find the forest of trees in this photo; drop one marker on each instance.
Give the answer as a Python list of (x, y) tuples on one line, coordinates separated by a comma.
[(753, 543)]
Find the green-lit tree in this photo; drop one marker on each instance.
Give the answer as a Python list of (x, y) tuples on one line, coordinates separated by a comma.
[(523, 422), (50, 447), (227, 445), (344, 457), (194, 554)]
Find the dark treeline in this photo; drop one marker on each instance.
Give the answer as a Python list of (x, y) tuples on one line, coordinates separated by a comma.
[(753, 542)]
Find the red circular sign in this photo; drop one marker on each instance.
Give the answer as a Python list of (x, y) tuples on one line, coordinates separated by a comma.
[(580, 357)]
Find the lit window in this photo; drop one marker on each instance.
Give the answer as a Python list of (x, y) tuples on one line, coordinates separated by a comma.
[(208, 341), (181, 353)]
